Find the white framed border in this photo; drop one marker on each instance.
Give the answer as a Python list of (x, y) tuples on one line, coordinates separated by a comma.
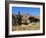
[(25, 32)]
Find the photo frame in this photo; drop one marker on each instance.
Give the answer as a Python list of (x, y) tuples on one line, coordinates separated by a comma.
[(10, 6)]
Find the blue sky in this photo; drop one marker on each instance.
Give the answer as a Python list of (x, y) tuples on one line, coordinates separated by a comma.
[(26, 10)]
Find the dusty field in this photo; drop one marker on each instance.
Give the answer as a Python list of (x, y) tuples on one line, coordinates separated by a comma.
[(30, 26)]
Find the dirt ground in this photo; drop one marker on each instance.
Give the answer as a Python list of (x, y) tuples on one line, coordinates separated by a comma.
[(30, 26)]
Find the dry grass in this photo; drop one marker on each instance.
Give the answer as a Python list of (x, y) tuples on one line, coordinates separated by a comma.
[(30, 26)]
